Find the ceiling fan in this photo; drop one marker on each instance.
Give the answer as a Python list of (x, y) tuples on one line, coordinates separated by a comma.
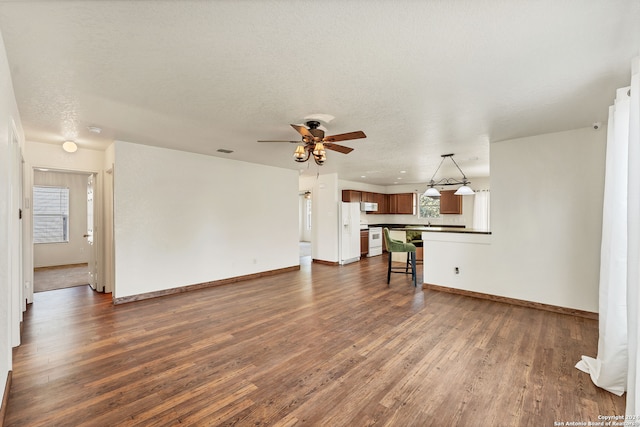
[(314, 142)]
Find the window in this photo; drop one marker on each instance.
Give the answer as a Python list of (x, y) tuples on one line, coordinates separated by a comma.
[(50, 214), (429, 207)]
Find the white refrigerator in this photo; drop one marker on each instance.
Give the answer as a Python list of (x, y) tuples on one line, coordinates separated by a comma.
[(349, 238)]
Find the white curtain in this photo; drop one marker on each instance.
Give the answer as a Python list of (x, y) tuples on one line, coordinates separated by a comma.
[(614, 369), (633, 254), (482, 210)]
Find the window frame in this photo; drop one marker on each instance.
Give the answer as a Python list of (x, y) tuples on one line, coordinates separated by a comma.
[(58, 230), (420, 205)]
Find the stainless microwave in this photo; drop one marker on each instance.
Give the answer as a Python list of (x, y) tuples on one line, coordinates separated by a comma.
[(368, 207)]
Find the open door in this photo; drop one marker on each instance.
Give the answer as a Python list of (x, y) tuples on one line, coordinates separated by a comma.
[(91, 235)]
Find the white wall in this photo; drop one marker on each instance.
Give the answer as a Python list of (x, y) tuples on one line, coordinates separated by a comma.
[(10, 286), (182, 218), (76, 250), (546, 221), (52, 156)]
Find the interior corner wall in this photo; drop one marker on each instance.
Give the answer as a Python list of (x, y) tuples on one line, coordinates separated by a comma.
[(546, 218), (183, 218)]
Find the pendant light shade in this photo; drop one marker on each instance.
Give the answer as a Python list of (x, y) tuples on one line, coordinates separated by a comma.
[(465, 190), (432, 192)]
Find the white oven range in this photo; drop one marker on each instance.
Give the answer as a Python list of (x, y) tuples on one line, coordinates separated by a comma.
[(375, 241)]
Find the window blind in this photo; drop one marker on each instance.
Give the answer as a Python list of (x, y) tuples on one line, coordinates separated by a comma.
[(50, 214)]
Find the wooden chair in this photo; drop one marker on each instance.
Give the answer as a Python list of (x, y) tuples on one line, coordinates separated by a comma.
[(399, 246)]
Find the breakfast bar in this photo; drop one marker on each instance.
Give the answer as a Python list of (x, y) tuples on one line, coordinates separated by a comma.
[(453, 257)]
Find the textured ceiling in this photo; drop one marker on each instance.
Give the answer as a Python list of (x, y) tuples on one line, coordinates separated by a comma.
[(420, 78)]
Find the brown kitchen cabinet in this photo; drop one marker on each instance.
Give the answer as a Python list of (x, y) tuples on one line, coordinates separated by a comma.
[(352, 196), (375, 198), (382, 201), (368, 197), (364, 242), (403, 203), (450, 203)]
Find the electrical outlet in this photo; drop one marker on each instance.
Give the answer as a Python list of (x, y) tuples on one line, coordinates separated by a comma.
[(457, 270)]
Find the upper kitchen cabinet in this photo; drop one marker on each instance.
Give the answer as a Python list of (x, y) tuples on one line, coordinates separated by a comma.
[(403, 203), (378, 198), (450, 203), (383, 202), (368, 197), (352, 196)]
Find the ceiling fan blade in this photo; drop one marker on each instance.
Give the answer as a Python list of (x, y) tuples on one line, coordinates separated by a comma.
[(339, 148), (293, 142), (345, 136), (303, 131)]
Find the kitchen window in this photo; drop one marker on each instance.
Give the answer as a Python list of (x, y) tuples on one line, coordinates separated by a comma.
[(429, 207), (50, 214)]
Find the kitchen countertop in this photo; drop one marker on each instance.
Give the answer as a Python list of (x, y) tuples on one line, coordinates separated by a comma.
[(442, 230), (404, 225)]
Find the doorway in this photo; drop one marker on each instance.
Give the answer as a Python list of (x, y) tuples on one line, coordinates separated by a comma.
[(62, 224), (304, 223)]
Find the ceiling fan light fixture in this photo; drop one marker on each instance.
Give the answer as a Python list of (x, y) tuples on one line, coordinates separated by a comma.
[(318, 150), (314, 143), (300, 155), (320, 158)]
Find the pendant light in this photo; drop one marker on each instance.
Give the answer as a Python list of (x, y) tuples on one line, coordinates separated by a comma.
[(464, 190)]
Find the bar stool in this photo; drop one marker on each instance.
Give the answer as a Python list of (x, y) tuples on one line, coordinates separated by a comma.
[(399, 246)]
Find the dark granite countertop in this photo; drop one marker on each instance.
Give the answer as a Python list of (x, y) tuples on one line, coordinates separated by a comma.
[(390, 226), (442, 230)]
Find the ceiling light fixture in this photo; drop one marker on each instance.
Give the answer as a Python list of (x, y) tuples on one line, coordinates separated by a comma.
[(464, 190), (69, 146), (305, 152)]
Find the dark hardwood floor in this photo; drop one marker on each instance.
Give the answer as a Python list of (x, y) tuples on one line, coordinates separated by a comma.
[(326, 345)]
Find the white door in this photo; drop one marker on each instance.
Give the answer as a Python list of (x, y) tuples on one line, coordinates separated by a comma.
[(91, 235)]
